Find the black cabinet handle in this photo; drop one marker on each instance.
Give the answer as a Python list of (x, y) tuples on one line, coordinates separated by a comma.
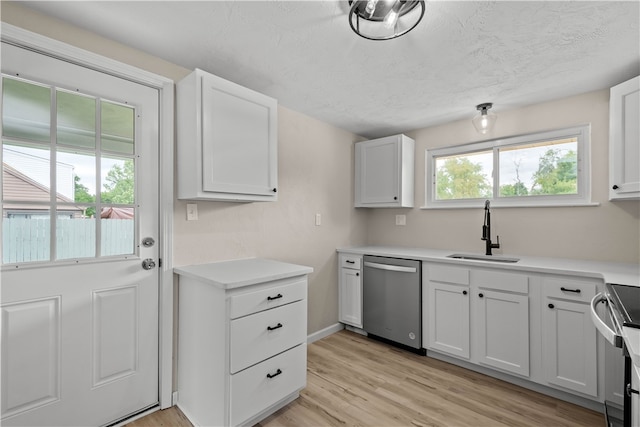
[(278, 372), (273, 328), (615, 187), (551, 306), (395, 198), (350, 262), (275, 190), (464, 292), (481, 295), (357, 274), (575, 291), (276, 297), (629, 390)]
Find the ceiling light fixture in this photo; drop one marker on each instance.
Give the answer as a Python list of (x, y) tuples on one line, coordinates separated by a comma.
[(484, 121), (384, 19)]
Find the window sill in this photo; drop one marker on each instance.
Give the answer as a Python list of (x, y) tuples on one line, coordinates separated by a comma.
[(496, 204)]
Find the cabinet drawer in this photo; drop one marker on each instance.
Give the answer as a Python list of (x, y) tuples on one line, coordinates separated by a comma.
[(509, 282), (253, 302), (253, 391), (351, 261), (570, 289), (447, 274), (252, 341)]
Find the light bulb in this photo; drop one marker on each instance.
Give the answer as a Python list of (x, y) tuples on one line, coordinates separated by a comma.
[(391, 19), (371, 7)]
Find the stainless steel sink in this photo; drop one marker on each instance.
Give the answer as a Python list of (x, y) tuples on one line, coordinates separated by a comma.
[(476, 257)]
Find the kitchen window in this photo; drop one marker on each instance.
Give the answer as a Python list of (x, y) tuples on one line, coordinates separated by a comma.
[(543, 169)]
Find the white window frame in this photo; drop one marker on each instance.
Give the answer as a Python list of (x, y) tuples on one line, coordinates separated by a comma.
[(582, 198)]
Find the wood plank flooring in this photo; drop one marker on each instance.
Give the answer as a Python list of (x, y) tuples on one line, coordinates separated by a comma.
[(356, 381)]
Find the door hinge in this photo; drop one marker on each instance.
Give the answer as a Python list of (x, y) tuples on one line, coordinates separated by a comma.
[(159, 262)]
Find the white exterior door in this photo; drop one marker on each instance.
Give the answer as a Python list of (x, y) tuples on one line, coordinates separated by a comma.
[(79, 195)]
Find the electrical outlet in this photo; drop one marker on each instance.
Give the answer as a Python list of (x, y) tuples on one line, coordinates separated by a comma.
[(318, 219), (192, 212), (401, 220)]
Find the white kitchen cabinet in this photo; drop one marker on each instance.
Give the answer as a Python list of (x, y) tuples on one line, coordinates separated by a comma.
[(350, 290), (569, 336), (624, 140), (448, 309), (384, 172), (227, 141), (241, 341), (502, 320)]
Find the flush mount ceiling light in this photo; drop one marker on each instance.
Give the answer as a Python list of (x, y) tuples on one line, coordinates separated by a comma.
[(484, 121), (384, 19)]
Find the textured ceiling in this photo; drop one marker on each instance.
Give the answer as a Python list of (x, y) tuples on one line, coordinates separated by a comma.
[(511, 53)]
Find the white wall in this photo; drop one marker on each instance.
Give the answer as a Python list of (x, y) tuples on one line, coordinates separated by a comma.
[(608, 232)]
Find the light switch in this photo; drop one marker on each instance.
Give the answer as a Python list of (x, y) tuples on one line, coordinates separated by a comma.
[(192, 211), (318, 219), (401, 220)]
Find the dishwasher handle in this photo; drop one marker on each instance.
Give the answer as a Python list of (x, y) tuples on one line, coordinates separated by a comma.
[(611, 335), (390, 267)]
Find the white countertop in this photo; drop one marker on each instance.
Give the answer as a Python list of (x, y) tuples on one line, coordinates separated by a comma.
[(242, 272), (610, 272)]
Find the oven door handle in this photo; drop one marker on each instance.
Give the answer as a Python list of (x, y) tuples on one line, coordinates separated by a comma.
[(609, 334)]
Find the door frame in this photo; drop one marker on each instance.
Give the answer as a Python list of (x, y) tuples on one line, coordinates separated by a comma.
[(165, 86)]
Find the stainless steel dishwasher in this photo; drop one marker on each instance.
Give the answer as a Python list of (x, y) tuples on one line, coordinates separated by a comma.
[(392, 300)]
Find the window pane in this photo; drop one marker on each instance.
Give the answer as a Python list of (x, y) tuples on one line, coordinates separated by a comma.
[(540, 169), (25, 173), (117, 231), (75, 235), (26, 233), (26, 110), (117, 128), (76, 177), (118, 182), (76, 120), (464, 176)]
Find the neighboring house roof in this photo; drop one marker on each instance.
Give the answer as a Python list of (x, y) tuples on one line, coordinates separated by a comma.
[(16, 186)]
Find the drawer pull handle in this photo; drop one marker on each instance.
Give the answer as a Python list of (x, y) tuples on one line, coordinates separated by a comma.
[(576, 291), (278, 372), (276, 297), (273, 328)]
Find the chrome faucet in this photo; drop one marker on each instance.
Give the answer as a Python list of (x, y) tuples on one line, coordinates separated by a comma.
[(486, 231)]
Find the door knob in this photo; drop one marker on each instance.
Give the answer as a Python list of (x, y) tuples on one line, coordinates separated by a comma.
[(148, 264)]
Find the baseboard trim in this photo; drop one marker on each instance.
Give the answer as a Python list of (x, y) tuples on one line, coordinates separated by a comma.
[(323, 333)]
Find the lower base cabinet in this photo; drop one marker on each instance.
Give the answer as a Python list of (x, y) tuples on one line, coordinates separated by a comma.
[(242, 350)]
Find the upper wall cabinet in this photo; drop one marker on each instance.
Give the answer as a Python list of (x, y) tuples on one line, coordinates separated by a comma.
[(384, 173), (227, 141), (624, 140)]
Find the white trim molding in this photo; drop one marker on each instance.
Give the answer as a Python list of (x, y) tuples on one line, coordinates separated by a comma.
[(165, 86)]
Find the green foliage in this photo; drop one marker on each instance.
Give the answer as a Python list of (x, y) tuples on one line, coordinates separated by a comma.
[(82, 195), (517, 189), (459, 178), (119, 185), (557, 173)]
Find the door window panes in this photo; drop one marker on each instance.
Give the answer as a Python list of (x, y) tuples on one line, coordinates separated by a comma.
[(118, 127), (464, 176), (26, 110), (75, 202), (76, 123)]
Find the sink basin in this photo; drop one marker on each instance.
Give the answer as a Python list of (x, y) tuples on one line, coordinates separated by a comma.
[(490, 258)]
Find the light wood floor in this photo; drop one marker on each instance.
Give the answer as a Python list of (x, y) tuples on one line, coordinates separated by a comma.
[(355, 381)]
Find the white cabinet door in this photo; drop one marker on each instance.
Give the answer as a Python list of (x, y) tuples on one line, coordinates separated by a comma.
[(569, 344), (449, 318), (227, 141), (350, 300), (502, 326), (384, 172), (624, 140)]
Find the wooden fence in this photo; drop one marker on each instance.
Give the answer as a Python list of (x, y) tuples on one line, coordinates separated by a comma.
[(28, 239)]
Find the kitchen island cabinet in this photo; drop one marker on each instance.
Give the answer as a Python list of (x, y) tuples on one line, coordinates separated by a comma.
[(242, 339), (227, 141)]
